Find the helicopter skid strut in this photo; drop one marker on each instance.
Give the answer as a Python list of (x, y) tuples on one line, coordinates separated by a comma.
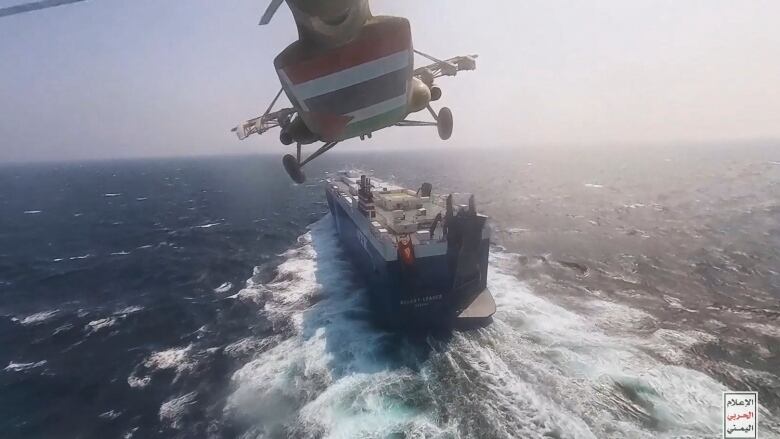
[(293, 164), (443, 122)]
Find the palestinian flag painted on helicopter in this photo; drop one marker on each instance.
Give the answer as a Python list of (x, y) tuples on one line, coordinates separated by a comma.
[(356, 88)]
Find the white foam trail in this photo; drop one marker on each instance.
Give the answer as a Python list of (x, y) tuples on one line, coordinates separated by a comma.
[(251, 345), (572, 360), (63, 328), (112, 195), (677, 304), (766, 329), (594, 185), (176, 358), (39, 317), (249, 295), (22, 367), (539, 370), (100, 324), (138, 383), (110, 415), (208, 226), (124, 312), (330, 354), (32, 212), (76, 258), (224, 288), (173, 410)]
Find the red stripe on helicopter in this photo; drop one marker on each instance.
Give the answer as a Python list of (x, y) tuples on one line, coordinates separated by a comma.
[(376, 42), (330, 126)]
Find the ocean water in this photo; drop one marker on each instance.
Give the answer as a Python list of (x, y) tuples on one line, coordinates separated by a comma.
[(211, 298)]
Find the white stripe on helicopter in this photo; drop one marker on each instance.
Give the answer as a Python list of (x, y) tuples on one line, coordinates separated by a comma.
[(287, 83), (377, 109), (351, 76)]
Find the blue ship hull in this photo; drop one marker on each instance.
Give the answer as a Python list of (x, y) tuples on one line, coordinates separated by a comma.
[(426, 294)]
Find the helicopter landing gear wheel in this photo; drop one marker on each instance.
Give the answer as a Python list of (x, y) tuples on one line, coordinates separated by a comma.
[(293, 169), (293, 163), (444, 123)]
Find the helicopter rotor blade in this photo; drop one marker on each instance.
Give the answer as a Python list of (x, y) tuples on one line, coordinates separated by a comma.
[(270, 11), (34, 6)]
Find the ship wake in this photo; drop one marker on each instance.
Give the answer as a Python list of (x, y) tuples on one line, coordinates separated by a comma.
[(540, 370)]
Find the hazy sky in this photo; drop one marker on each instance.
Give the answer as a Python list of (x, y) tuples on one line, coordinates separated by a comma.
[(114, 78)]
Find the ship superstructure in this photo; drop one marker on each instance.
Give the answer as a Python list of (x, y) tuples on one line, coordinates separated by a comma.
[(425, 258)]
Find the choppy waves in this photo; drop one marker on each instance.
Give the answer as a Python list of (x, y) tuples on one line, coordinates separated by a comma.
[(38, 318), (23, 367), (631, 292), (307, 362), (540, 370)]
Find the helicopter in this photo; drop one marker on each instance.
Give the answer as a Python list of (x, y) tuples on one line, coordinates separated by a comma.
[(349, 74)]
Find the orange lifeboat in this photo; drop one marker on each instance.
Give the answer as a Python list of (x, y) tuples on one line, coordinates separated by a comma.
[(406, 250)]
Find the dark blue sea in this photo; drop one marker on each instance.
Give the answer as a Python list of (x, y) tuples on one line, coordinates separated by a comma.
[(210, 298)]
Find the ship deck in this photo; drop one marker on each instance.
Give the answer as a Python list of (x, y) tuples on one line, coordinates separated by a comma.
[(397, 211)]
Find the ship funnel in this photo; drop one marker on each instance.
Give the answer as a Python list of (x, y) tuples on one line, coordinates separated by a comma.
[(425, 190)]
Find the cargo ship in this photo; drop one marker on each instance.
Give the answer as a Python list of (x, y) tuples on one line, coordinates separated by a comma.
[(423, 257)]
